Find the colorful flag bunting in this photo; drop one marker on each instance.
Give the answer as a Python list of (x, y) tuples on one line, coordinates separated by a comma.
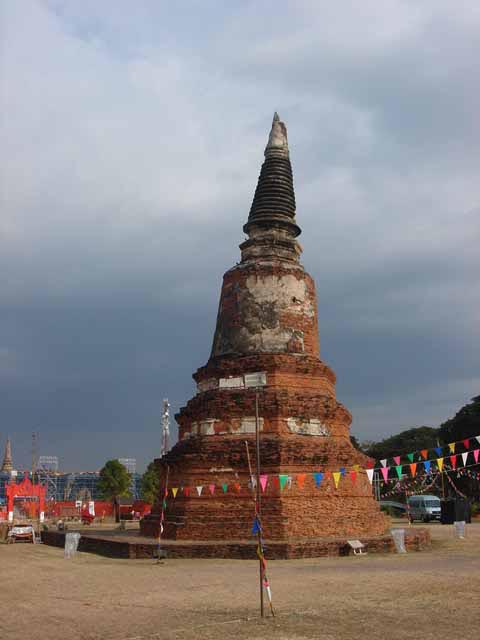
[(186, 491), (464, 458), (451, 446), (237, 486), (478, 439), (398, 469), (353, 476), (466, 443), (256, 526), (440, 463), (371, 463), (174, 491), (424, 453), (426, 465), (319, 477), (385, 471), (301, 480), (263, 482), (413, 469), (383, 462), (211, 488), (336, 478), (438, 451), (410, 456), (199, 489), (369, 475), (356, 467), (276, 482), (396, 459), (224, 487), (475, 455), (283, 477), (453, 460), (343, 471)]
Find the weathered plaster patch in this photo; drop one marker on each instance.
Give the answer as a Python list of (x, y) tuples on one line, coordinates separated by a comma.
[(312, 427)]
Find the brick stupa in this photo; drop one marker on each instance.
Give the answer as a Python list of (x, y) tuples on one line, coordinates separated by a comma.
[(266, 323)]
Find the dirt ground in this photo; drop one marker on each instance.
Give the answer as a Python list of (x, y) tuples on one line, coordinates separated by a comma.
[(424, 595)]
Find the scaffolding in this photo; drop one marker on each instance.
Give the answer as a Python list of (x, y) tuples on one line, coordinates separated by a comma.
[(47, 474)]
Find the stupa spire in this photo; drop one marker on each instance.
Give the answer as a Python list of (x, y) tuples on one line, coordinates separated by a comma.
[(7, 465), (273, 205)]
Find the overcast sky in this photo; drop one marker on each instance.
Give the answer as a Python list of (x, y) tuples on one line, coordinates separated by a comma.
[(132, 138)]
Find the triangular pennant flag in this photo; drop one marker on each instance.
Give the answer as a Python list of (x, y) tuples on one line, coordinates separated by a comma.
[(237, 486), (413, 468), (282, 478), (336, 478), (164, 504), (466, 443), (398, 469), (224, 487), (211, 488), (319, 477), (371, 463), (385, 471), (475, 455), (263, 482), (369, 475), (174, 491), (396, 459), (199, 489), (327, 475), (383, 462), (410, 456), (478, 439), (276, 482), (426, 465), (464, 458), (301, 480), (356, 467), (353, 476), (440, 463), (424, 453), (451, 446), (438, 451), (186, 491), (256, 526), (453, 460), (343, 471)]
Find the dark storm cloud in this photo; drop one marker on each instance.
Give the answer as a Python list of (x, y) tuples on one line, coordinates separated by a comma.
[(132, 141)]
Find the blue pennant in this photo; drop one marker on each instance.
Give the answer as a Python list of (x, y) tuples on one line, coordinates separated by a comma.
[(256, 526)]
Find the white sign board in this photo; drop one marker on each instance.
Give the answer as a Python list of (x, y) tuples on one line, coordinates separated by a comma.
[(256, 379), (230, 383)]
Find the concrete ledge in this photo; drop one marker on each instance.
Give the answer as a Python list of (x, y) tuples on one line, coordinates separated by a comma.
[(127, 545)]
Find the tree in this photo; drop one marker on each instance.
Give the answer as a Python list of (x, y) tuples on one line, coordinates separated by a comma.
[(115, 481), (465, 424), (150, 484), (407, 441)]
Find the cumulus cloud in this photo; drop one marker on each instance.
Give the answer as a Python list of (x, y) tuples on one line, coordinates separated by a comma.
[(132, 137)]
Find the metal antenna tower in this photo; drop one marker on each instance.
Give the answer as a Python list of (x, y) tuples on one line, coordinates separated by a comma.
[(165, 427)]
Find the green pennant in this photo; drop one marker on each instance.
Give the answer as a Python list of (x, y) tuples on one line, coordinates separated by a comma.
[(398, 469), (164, 504), (283, 480), (224, 487), (410, 456)]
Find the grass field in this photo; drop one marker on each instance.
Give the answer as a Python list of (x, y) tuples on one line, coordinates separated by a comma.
[(428, 595)]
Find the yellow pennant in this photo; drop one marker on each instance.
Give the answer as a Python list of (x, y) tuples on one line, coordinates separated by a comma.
[(452, 447), (440, 463), (174, 491), (356, 467), (336, 477)]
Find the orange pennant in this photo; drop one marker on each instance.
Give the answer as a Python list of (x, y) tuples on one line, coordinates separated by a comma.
[(301, 480), (424, 453), (413, 468)]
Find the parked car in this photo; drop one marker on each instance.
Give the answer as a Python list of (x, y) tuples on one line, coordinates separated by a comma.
[(425, 508)]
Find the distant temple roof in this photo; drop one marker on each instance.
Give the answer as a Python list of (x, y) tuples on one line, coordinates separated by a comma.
[(7, 465)]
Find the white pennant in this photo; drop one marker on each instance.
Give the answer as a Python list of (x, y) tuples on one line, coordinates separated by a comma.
[(478, 438), (384, 462), (199, 489), (370, 474), (464, 458)]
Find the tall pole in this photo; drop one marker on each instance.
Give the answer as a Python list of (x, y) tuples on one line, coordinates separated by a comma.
[(258, 501)]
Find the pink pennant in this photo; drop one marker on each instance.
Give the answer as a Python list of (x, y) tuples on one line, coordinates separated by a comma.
[(475, 455), (466, 443), (211, 488), (263, 482), (385, 471), (396, 459)]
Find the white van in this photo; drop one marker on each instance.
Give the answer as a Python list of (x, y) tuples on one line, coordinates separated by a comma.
[(424, 508)]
